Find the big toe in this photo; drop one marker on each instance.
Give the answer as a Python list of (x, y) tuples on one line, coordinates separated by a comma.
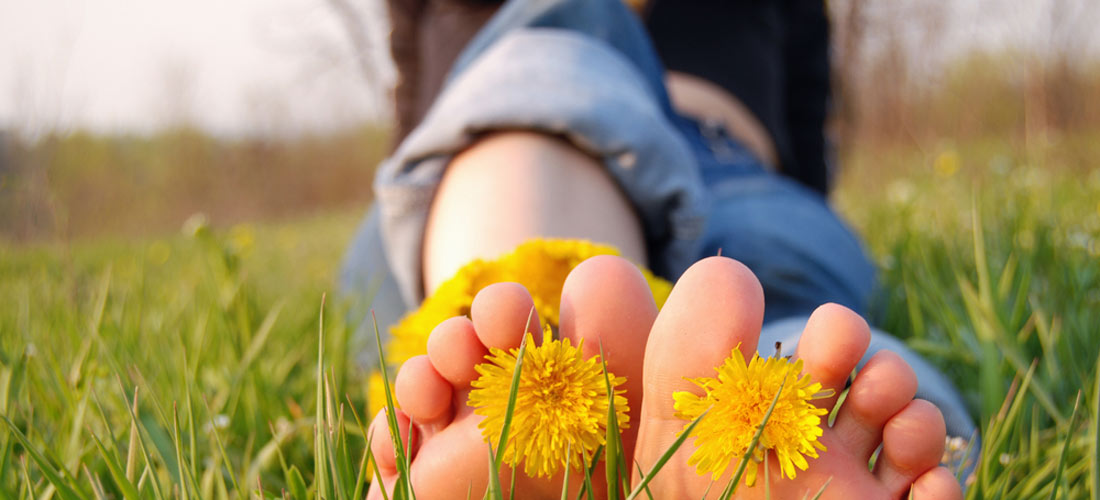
[(715, 306), (606, 303)]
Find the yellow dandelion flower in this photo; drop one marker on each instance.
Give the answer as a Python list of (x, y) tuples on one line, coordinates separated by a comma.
[(159, 252), (242, 238), (947, 163), (540, 265), (561, 405), (738, 399)]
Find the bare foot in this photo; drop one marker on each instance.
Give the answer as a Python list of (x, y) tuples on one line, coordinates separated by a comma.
[(605, 301), (718, 304)]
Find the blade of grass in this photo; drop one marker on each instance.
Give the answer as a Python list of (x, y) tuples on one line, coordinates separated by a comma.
[(1011, 416), (1094, 460), (107, 425), (188, 380), (706, 492), (132, 449), (186, 478), (402, 461), (336, 468), (822, 490), (665, 457), (589, 469), (967, 456), (513, 391), (999, 425), (12, 382), (1065, 448), (296, 484), (364, 463), (337, 479), (493, 492), (638, 466), (320, 472), (731, 488), (565, 480), (183, 487), (97, 486), (512, 485), (361, 475), (27, 480), (141, 439), (129, 491), (291, 476), (5, 460), (587, 489), (221, 451), (259, 338), (52, 474), (613, 438), (408, 459), (377, 472), (995, 347)]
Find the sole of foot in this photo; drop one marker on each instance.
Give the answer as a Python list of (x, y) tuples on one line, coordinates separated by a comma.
[(717, 305), (605, 302)]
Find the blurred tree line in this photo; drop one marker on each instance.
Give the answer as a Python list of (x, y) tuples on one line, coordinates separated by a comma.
[(901, 75), (901, 80), (65, 186)]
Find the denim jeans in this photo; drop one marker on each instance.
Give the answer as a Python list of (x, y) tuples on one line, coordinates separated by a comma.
[(585, 70)]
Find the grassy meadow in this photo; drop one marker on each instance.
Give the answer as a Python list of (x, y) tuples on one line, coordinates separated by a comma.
[(184, 361)]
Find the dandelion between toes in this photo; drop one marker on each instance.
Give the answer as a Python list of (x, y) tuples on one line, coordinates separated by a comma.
[(715, 310)]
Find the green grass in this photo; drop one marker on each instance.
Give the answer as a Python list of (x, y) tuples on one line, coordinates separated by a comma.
[(202, 329), (188, 366)]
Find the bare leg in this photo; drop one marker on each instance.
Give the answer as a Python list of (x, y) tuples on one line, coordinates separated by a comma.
[(512, 186)]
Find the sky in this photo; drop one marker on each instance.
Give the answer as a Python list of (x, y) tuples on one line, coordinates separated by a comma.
[(259, 66), (224, 65)]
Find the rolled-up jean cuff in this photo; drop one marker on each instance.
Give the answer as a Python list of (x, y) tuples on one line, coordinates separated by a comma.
[(561, 83)]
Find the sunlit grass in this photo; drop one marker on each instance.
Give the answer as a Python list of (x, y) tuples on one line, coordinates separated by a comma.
[(188, 367)]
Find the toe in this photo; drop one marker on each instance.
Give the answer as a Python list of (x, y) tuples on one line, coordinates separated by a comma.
[(454, 350), (716, 305), (382, 443), (422, 392), (832, 344), (937, 484), (606, 302), (500, 312), (884, 386), (912, 444)]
